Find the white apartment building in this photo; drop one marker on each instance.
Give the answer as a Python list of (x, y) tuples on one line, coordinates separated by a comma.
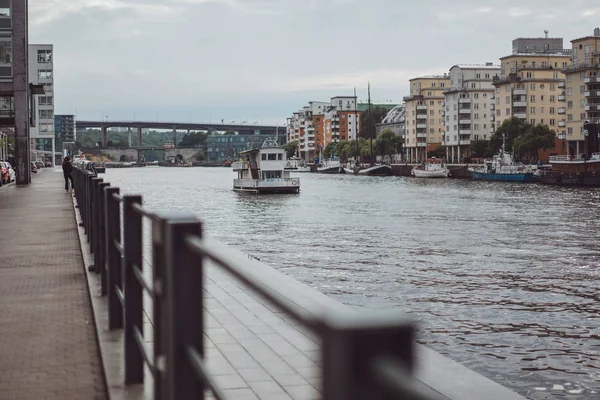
[(469, 114), (41, 72)]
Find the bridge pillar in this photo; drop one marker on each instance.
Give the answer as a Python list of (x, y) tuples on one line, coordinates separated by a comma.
[(129, 132), (139, 135), (104, 136)]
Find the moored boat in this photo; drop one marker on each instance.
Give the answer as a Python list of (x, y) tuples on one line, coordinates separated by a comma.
[(377, 170), (431, 170), (504, 169), (264, 170), (331, 166)]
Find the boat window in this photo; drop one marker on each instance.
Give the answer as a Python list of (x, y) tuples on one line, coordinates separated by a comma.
[(272, 157), (280, 157), (264, 157)]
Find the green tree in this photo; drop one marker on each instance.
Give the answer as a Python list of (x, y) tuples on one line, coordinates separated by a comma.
[(513, 127), (536, 138), (342, 150), (329, 150), (388, 143), (193, 139), (291, 148), (365, 149), (367, 124), (481, 148)]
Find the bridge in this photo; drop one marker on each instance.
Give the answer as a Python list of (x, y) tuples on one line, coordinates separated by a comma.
[(242, 129)]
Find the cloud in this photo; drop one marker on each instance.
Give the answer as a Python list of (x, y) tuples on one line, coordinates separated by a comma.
[(47, 11)]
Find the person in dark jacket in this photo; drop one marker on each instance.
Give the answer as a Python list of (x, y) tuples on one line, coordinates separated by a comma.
[(67, 172)]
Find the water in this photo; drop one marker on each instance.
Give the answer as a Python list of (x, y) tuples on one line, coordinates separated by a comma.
[(500, 277)]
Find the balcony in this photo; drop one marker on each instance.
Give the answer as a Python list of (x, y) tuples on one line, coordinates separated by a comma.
[(464, 142), (421, 144), (592, 107), (592, 93), (421, 135), (421, 108), (464, 121), (562, 84), (464, 132), (520, 92), (520, 104), (520, 115), (562, 124), (562, 110), (421, 116), (591, 79), (492, 107), (443, 113), (464, 111), (464, 101), (492, 117), (421, 126), (562, 97)]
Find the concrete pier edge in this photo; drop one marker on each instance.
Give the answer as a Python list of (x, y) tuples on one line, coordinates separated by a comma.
[(436, 372)]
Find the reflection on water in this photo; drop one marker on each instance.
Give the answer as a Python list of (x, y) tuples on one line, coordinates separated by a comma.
[(501, 277)]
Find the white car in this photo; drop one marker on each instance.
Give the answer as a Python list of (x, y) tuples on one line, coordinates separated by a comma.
[(12, 176)]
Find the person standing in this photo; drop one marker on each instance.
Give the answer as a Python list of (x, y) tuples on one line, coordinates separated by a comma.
[(67, 168)]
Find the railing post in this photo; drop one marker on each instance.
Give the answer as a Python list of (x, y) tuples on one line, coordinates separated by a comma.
[(102, 237), (351, 344), (159, 310), (113, 257), (96, 222), (183, 293), (132, 243), (88, 203)]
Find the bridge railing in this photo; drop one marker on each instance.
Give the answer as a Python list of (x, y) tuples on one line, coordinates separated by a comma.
[(365, 355)]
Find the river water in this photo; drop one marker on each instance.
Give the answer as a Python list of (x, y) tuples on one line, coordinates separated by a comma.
[(500, 277)]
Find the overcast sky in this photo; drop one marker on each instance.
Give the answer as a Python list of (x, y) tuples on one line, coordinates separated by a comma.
[(255, 60)]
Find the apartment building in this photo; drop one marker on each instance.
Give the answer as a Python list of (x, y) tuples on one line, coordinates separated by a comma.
[(582, 86), (425, 115), (468, 114), (64, 128), (42, 114), (342, 120), (531, 86)]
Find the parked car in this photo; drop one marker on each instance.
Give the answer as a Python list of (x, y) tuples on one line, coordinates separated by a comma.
[(12, 175), (33, 168)]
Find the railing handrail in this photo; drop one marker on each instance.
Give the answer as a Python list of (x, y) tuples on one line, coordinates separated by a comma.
[(364, 354)]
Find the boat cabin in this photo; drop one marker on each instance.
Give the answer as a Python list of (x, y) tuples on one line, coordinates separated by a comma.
[(268, 162)]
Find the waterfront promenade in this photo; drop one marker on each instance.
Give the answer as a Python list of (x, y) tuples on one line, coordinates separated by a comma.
[(48, 343)]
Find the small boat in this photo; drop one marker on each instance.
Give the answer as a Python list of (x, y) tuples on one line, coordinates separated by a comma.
[(227, 163), (331, 166), (431, 170), (376, 170), (503, 168), (264, 170)]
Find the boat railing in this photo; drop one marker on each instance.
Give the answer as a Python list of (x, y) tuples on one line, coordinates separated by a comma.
[(595, 156), (240, 165), (560, 158), (364, 353)]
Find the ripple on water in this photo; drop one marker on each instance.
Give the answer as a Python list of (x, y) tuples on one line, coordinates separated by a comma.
[(502, 278)]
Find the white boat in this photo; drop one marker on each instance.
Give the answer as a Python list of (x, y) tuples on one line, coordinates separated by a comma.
[(431, 170), (297, 165), (331, 166), (376, 170), (264, 171)]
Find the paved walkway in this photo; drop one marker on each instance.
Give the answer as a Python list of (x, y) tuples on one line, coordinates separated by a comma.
[(48, 345)]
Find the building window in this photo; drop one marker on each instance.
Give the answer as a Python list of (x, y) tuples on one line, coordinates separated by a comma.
[(46, 127), (570, 77), (508, 88), (569, 117), (44, 56), (582, 103), (532, 121), (530, 74), (5, 52), (532, 110), (46, 114), (569, 104), (552, 99), (532, 86), (532, 99), (569, 91), (552, 86), (582, 116), (45, 100), (552, 122), (45, 74)]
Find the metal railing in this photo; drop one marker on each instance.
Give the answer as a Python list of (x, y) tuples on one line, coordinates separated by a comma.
[(364, 354)]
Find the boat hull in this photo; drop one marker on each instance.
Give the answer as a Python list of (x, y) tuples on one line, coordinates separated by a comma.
[(331, 170), (485, 176), (377, 170), (267, 186), (419, 173), (590, 179)]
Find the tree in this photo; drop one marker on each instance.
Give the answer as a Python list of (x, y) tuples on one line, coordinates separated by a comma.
[(367, 125), (513, 128), (193, 139), (536, 138), (291, 148), (481, 149), (388, 143), (365, 149), (329, 150), (342, 150)]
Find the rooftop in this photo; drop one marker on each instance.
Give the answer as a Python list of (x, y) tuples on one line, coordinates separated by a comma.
[(445, 76), (564, 53), (477, 66)]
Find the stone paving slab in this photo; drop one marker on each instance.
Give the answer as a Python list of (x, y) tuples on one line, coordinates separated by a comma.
[(48, 343)]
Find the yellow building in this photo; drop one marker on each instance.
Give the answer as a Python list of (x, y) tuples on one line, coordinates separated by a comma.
[(531, 86), (582, 89), (425, 112)]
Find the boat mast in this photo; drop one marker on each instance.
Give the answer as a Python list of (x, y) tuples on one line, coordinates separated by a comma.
[(370, 122)]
